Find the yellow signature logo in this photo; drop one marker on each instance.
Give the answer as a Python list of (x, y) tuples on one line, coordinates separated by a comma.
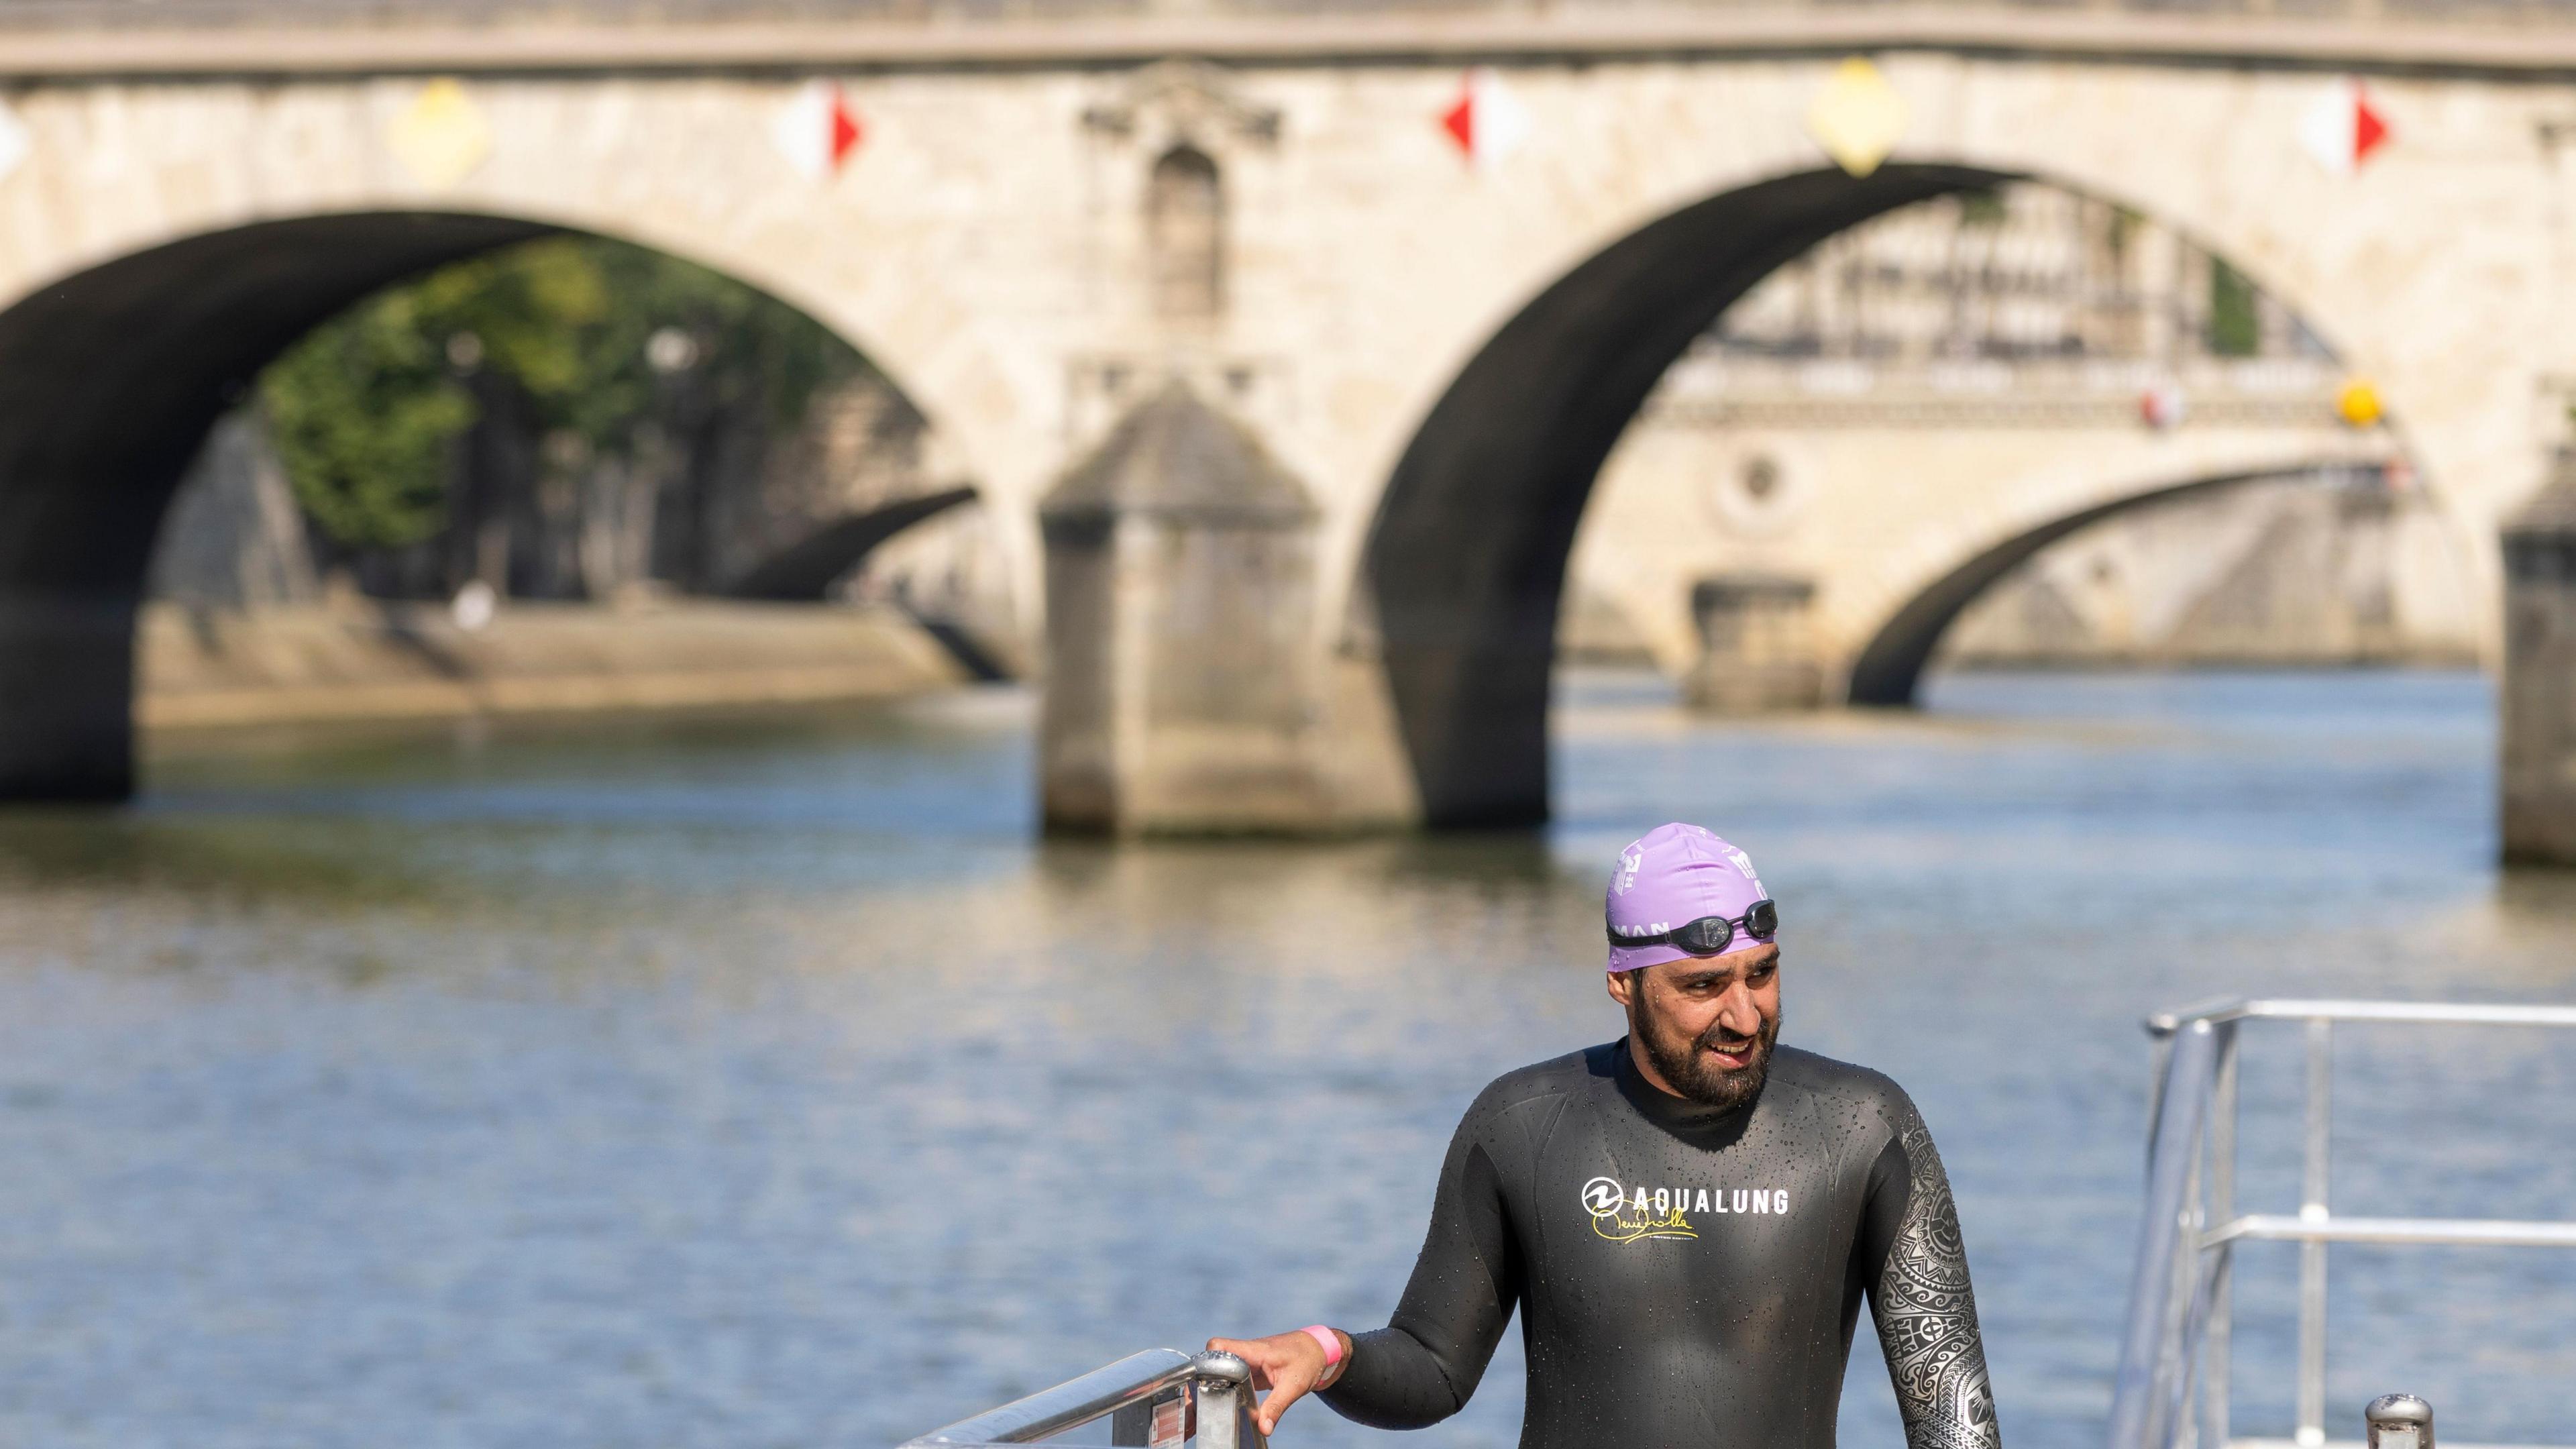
[(1618, 1219)]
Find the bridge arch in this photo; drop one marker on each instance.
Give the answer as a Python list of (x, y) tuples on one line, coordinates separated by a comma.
[(1887, 670), (1463, 568), (111, 377)]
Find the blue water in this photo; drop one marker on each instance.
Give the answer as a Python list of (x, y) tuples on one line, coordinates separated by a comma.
[(766, 1083)]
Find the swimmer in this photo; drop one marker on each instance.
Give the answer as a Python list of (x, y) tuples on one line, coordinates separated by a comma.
[(1686, 1219)]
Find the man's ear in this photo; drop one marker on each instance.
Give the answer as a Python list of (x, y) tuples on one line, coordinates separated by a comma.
[(1623, 987)]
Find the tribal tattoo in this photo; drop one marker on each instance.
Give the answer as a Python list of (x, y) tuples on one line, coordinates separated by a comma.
[(1927, 1315)]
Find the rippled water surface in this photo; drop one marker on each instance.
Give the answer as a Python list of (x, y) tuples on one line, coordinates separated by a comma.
[(767, 1084)]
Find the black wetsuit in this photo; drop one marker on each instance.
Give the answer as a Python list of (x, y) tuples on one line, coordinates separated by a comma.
[(1686, 1276)]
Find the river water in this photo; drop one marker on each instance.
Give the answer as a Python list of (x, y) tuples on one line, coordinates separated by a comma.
[(765, 1083)]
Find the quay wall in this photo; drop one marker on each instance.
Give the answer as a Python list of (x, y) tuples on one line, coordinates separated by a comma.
[(367, 661)]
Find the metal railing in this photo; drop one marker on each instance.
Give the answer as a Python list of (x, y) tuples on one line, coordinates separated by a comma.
[(2173, 1370), (1159, 1399)]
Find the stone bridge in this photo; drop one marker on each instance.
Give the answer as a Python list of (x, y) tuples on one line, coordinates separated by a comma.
[(1863, 510), (1044, 222)]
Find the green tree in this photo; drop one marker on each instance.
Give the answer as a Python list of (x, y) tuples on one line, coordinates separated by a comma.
[(363, 411), (368, 407), (1983, 207), (2235, 328)]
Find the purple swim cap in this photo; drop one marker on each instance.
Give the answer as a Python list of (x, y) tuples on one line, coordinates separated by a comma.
[(1669, 877)]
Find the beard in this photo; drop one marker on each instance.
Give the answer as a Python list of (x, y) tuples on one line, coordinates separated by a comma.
[(1685, 1063)]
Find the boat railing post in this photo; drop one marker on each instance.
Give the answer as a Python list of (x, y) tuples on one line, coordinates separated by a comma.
[(2218, 1345), (1223, 1383), (2312, 1253), (2192, 1290), (2160, 1055), (2399, 1421), (2151, 1347)]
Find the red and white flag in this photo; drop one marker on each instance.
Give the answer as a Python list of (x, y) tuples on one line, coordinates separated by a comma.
[(1487, 121), (2342, 128), (816, 130)]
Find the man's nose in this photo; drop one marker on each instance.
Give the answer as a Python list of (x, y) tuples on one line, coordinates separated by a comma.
[(1738, 1013)]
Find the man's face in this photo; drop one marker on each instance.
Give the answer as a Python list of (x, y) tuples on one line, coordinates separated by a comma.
[(1706, 1025)]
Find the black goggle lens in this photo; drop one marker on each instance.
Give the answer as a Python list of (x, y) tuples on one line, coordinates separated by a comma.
[(1706, 936), (1762, 920)]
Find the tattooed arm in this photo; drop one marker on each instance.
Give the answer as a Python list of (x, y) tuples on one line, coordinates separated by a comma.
[(1916, 1270)]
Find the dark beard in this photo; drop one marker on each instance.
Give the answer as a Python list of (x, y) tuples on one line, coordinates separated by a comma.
[(1690, 1071)]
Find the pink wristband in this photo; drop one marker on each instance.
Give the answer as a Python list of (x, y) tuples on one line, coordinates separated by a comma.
[(1331, 1341)]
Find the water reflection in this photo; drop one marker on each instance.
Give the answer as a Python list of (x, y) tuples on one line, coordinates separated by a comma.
[(764, 1082)]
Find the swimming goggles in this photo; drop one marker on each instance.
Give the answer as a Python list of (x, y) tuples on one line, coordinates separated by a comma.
[(1710, 935)]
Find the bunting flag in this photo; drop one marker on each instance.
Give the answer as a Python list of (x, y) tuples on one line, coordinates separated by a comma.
[(441, 137), (15, 143), (2342, 128), (1858, 117), (817, 130), (1487, 121)]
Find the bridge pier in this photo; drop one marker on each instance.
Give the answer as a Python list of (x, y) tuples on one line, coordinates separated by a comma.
[(1758, 648), (66, 697), (1186, 690), (2538, 704)]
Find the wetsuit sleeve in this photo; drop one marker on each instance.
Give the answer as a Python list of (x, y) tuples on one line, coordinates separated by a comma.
[(1916, 1269), (1420, 1368)]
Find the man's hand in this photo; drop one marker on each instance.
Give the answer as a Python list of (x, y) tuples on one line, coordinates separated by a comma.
[(1289, 1365)]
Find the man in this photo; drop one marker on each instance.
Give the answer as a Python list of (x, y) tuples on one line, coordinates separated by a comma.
[(1686, 1218)]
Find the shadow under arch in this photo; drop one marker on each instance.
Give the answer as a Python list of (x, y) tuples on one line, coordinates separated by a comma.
[(1465, 561), (1889, 668), (110, 379)]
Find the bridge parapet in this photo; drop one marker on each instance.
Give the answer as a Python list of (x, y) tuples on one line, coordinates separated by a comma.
[(1568, 14), (1840, 392), (217, 37)]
